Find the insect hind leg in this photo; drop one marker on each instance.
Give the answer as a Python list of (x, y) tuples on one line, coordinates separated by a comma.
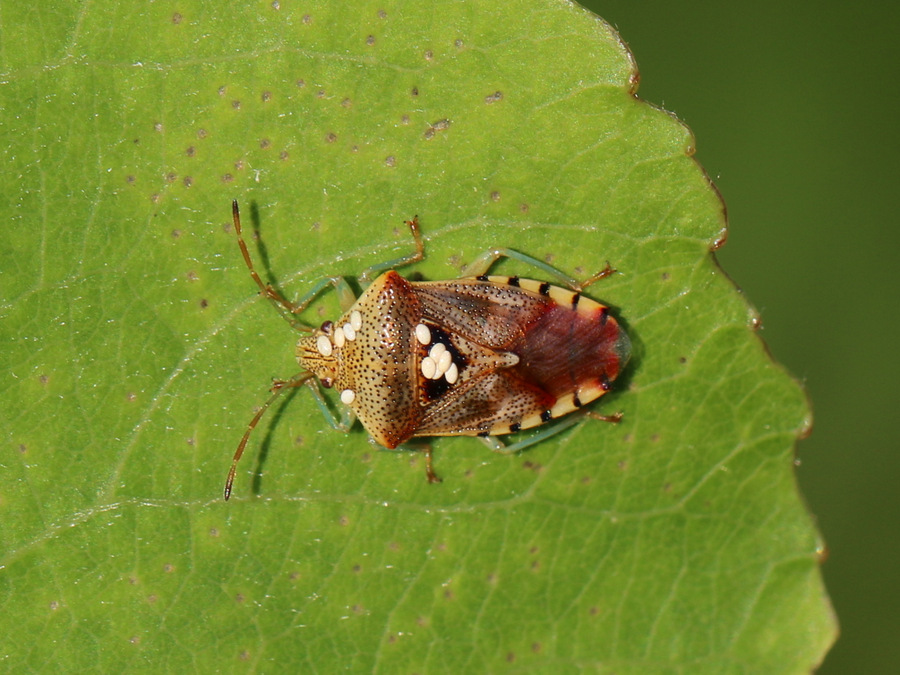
[(486, 260), (543, 433)]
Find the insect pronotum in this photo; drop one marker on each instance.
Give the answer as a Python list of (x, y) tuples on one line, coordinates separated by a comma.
[(475, 356)]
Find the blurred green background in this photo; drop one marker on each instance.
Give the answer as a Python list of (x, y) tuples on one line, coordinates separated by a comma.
[(795, 110)]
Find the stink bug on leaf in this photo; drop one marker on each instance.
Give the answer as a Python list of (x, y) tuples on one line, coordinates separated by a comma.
[(475, 356)]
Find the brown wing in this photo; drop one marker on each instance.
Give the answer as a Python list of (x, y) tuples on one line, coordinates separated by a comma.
[(487, 313), (494, 400)]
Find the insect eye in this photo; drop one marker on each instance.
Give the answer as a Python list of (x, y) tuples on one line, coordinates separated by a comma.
[(327, 382), (327, 327)]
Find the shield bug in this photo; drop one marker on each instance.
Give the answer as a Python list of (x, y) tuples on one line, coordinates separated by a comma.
[(475, 356)]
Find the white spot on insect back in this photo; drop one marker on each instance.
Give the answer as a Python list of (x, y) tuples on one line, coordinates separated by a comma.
[(323, 345), (348, 396), (423, 334), (339, 337), (349, 332), (429, 367), (452, 374), (356, 319)]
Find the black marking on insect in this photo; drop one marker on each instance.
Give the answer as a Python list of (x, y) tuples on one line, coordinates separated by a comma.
[(477, 356)]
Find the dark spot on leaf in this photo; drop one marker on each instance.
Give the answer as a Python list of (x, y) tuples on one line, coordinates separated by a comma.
[(370, 40), (266, 96), (191, 151), (265, 143), (236, 104), (227, 178), (188, 181), (177, 18), (495, 196), (493, 98), (202, 133), (389, 161)]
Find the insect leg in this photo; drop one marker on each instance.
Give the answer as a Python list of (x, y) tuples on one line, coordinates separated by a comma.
[(278, 387), (342, 423), (413, 446), (544, 433), (369, 274), (487, 259)]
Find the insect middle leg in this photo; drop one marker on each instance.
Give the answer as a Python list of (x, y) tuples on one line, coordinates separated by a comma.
[(486, 260)]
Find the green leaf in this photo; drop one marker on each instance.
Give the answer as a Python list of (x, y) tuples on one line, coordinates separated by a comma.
[(135, 348)]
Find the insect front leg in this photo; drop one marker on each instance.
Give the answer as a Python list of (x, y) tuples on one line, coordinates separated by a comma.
[(342, 423), (419, 254), (486, 260)]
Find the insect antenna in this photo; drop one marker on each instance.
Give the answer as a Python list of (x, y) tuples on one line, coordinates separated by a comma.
[(286, 308), (277, 388)]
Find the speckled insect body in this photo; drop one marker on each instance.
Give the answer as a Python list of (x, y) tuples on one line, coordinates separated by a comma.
[(478, 356)]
